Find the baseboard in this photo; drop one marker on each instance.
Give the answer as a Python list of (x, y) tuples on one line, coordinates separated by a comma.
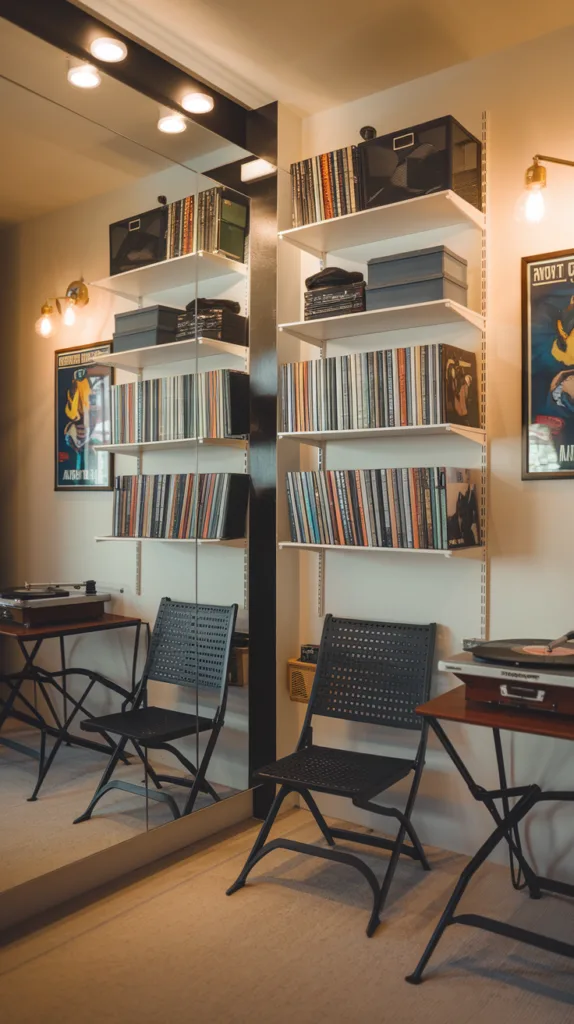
[(56, 887)]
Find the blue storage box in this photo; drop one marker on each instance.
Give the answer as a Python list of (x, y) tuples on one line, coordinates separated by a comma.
[(417, 265), (438, 287)]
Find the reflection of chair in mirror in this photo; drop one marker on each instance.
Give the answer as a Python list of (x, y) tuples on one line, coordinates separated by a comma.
[(371, 672), (190, 647)]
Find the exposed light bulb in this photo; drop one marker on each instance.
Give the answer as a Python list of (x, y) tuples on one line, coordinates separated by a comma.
[(69, 317), (197, 103), (172, 124), (534, 206), (44, 326), (109, 50), (84, 76)]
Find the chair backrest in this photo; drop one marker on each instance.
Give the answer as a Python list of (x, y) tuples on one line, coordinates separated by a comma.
[(190, 644), (376, 672)]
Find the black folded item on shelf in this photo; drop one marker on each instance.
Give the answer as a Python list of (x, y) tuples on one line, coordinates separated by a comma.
[(219, 324), (333, 276), (205, 305), (335, 300)]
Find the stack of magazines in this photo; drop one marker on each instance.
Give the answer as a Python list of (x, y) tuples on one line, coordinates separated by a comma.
[(179, 506), (212, 404), (423, 384), (385, 508), (325, 186)]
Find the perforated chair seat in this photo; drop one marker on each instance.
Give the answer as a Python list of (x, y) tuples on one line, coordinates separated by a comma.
[(339, 772), (149, 725)]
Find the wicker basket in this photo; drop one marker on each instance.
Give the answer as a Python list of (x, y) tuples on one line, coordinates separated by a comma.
[(300, 676)]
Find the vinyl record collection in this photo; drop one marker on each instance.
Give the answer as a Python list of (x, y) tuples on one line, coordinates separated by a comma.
[(325, 186), (180, 228), (433, 508), (172, 506), (193, 223), (423, 384), (212, 404)]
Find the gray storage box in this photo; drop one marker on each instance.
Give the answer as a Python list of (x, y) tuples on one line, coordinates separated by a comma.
[(142, 339), (418, 265), (409, 294), (148, 318)]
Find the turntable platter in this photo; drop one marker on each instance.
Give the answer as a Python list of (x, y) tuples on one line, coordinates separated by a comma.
[(32, 593), (525, 653)]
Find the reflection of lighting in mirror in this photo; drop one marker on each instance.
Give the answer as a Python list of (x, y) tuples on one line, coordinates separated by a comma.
[(172, 124), (109, 50), (84, 76), (252, 170), (197, 103), (45, 324)]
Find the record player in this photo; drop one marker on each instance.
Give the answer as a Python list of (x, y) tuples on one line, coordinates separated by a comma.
[(535, 674), (43, 604)]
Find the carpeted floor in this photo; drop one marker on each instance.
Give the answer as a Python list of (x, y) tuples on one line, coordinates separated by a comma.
[(38, 837), (290, 948)]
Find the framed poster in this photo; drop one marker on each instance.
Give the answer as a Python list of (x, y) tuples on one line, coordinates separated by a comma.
[(83, 419), (548, 366)]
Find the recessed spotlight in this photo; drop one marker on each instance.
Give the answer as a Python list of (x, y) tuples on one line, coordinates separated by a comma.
[(197, 103), (109, 50), (84, 76), (172, 124)]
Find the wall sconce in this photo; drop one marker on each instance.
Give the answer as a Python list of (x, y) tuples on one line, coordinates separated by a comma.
[(76, 297), (535, 183)]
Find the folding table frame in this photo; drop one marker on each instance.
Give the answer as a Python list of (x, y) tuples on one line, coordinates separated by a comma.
[(453, 706), (18, 705)]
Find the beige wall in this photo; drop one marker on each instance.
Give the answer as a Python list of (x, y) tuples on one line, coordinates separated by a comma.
[(527, 96)]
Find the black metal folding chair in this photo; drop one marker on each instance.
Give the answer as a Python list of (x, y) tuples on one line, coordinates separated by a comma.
[(190, 647), (375, 672)]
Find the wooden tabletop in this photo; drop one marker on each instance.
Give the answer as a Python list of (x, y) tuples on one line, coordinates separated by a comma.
[(106, 621), (453, 707)]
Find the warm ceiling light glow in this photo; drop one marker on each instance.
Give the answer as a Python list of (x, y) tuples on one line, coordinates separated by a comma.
[(45, 324), (84, 76), (197, 103), (109, 50), (172, 124), (254, 169)]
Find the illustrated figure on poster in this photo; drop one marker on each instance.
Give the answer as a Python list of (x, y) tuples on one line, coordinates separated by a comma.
[(82, 418), (549, 364)]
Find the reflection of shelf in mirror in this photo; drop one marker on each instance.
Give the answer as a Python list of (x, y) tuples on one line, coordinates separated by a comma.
[(375, 321), (452, 552), (169, 274), (239, 542), (423, 213), (173, 445), (319, 437), (136, 359)]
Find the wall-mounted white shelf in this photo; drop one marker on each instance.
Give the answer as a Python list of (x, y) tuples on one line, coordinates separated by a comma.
[(173, 445), (375, 321), (137, 359), (452, 552), (319, 437), (423, 213), (170, 274), (235, 543)]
